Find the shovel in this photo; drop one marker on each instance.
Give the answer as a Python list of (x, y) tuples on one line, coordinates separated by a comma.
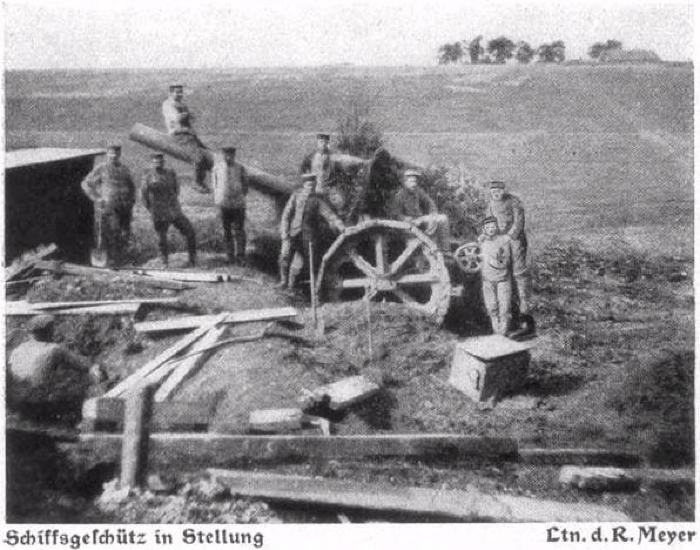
[(98, 255)]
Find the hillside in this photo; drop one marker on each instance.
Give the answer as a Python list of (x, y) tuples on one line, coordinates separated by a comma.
[(588, 148)]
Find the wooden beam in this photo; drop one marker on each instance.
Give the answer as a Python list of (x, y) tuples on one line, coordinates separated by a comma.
[(275, 420), (93, 303), (192, 451), (27, 261), (578, 456), (194, 321), (134, 462), (343, 393), (106, 414), (463, 505), (188, 276), (84, 271), (155, 370), (188, 367), (24, 308)]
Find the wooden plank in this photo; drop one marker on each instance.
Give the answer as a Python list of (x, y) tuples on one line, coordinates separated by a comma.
[(463, 505), (84, 271), (579, 456), (194, 321), (193, 451), (106, 414), (134, 462), (94, 303), (187, 276), (343, 393), (275, 420), (188, 367), (152, 371), (27, 261), (24, 308)]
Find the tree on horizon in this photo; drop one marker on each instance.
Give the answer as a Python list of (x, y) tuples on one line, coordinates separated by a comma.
[(450, 53), (524, 52), (501, 48), (476, 50), (552, 53), (598, 48)]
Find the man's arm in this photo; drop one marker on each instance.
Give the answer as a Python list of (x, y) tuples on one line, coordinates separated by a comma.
[(287, 214), (90, 182), (305, 167), (395, 208), (244, 181), (146, 192), (330, 216), (130, 185), (427, 203), (516, 230)]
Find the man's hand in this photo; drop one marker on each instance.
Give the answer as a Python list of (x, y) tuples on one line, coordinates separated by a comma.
[(430, 226)]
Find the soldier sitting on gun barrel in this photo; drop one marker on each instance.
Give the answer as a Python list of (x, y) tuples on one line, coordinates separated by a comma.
[(179, 124)]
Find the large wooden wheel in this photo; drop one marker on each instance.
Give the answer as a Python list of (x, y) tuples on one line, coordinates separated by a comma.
[(386, 260)]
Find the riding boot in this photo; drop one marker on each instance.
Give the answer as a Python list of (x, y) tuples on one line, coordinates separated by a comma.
[(293, 276), (522, 282), (240, 241), (283, 269)]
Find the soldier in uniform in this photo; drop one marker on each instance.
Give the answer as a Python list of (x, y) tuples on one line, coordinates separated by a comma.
[(319, 163), (230, 190), (46, 380), (301, 224), (412, 204), (496, 272), (159, 192), (510, 216), (113, 193), (179, 124)]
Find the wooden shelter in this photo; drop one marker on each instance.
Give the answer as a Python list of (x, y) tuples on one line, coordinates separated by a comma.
[(44, 202)]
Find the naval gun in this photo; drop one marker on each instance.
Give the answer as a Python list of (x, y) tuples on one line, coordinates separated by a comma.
[(373, 257)]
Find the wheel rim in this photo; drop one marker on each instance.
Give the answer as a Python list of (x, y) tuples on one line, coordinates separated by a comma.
[(468, 259), (386, 260)]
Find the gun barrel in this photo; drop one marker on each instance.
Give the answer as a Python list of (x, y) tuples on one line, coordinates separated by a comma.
[(159, 141)]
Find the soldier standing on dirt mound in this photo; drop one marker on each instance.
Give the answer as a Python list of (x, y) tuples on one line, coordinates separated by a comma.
[(113, 193), (412, 204), (47, 380), (300, 225), (179, 124), (230, 189), (510, 215), (159, 192)]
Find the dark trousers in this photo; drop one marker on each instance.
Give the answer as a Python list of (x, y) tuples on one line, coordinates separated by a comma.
[(200, 160), (183, 225), (116, 230), (233, 221)]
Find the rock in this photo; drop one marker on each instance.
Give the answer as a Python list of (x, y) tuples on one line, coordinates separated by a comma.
[(112, 496), (598, 478), (159, 485), (212, 490)]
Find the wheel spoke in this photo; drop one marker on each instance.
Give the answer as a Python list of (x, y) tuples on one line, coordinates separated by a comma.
[(355, 283), (418, 278), (398, 263), (362, 264), (380, 252), (405, 297)]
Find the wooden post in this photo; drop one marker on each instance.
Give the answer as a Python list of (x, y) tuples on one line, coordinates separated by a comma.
[(134, 463)]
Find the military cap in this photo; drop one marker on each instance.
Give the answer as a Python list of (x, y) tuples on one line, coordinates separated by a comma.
[(326, 137), (489, 219), (228, 149), (308, 177), (114, 147), (412, 173), (497, 185), (40, 324), (157, 156), (174, 87)]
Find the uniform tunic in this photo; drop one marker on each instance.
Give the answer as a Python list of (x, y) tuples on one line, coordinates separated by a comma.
[(159, 191), (112, 184), (413, 204), (510, 217), (230, 185), (177, 116)]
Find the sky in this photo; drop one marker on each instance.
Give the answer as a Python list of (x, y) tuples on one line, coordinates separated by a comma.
[(42, 34)]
